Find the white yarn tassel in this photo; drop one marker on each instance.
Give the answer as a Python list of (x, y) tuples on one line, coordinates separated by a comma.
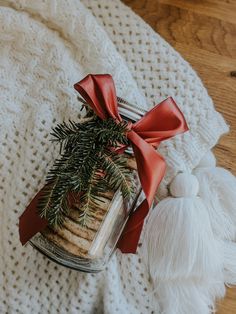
[(218, 190), (188, 296), (181, 251), (229, 249)]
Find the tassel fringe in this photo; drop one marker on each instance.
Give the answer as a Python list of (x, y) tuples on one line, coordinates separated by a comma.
[(229, 249), (188, 242)]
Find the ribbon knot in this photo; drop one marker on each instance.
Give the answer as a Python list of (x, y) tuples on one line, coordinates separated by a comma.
[(129, 127), (162, 122)]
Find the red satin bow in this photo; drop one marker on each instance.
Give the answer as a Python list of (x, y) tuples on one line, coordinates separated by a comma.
[(162, 122)]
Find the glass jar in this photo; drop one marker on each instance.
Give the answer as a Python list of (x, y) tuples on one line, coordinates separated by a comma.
[(90, 248)]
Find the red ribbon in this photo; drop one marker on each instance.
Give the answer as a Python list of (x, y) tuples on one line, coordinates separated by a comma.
[(162, 122)]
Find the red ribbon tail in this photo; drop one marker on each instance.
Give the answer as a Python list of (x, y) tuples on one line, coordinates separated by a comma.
[(30, 222), (129, 238)]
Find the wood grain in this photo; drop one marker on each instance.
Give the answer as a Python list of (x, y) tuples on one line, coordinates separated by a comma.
[(204, 32)]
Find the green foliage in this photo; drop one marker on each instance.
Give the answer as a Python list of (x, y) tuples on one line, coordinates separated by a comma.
[(115, 167), (87, 166)]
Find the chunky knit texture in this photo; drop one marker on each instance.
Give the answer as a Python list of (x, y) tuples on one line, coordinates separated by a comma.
[(45, 47)]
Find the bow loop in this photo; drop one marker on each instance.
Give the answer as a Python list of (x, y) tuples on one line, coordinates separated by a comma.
[(162, 122), (99, 92)]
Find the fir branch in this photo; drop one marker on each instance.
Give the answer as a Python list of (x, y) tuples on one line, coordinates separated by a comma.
[(53, 203), (112, 133), (87, 166), (116, 172), (69, 134), (90, 197)]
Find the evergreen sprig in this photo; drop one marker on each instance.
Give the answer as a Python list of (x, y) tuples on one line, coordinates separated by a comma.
[(87, 166), (116, 167)]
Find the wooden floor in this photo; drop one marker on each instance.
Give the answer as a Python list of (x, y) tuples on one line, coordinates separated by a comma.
[(204, 32)]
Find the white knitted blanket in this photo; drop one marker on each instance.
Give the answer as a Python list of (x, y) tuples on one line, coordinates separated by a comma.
[(45, 47)]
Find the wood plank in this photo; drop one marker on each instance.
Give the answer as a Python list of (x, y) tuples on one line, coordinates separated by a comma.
[(219, 9), (200, 56), (228, 306), (187, 27), (223, 10)]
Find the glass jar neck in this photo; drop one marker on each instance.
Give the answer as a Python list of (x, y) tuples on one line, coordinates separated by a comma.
[(129, 112)]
